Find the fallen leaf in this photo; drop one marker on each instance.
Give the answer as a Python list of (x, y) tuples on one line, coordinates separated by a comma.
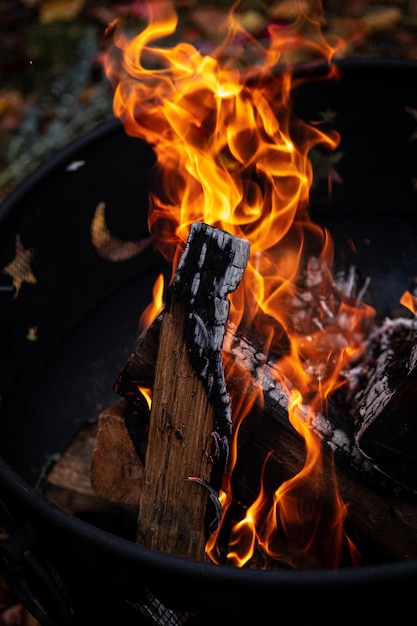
[(107, 245), (13, 616), (59, 10), (20, 267)]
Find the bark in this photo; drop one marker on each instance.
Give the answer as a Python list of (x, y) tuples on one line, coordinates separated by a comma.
[(190, 420), (385, 421)]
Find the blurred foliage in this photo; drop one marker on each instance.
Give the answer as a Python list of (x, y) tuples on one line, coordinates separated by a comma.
[(52, 84)]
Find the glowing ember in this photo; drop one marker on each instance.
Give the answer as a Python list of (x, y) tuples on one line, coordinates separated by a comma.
[(156, 306), (231, 153), (147, 394)]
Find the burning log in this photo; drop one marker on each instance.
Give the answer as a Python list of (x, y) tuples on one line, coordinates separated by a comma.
[(383, 525), (385, 417), (382, 519), (381, 515), (190, 421), (243, 349)]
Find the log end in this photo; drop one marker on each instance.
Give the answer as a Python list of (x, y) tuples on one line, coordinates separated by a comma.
[(116, 467)]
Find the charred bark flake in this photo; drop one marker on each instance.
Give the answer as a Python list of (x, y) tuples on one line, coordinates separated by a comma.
[(211, 267), (376, 405), (386, 424)]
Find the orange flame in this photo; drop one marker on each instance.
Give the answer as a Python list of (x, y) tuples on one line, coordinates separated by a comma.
[(147, 394), (223, 135), (154, 307), (409, 301)]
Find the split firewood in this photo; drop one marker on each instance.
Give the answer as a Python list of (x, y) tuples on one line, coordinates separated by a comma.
[(190, 420), (378, 509), (139, 369), (117, 460), (68, 485), (68, 482)]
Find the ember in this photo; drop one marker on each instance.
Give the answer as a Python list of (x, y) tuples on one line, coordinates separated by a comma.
[(232, 155)]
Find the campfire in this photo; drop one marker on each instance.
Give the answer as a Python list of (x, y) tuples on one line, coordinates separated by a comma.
[(264, 416)]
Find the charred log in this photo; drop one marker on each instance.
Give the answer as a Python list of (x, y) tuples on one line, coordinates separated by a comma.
[(337, 427), (190, 420), (384, 526), (385, 417), (381, 505)]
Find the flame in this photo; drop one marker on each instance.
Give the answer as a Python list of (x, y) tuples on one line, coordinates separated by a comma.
[(147, 394), (154, 307), (230, 152), (409, 301)]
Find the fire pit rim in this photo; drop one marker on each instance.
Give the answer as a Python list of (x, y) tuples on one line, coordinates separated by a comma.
[(54, 162), (104, 128), (208, 572)]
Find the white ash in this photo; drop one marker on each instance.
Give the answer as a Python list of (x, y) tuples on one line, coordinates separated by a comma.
[(393, 342), (381, 348), (314, 274), (348, 283), (194, 286), (203, 255), (74, 166)]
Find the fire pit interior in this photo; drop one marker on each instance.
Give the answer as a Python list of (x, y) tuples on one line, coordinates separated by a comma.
[(78, 270)]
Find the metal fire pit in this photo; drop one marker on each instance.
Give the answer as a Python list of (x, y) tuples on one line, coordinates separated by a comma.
[(64, 338)]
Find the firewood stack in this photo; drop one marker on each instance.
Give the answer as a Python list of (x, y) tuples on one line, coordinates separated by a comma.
[(169, 460)]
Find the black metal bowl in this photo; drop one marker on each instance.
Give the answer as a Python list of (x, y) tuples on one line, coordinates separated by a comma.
[(64, 338)]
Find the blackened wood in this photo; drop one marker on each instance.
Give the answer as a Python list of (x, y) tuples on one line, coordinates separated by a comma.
[(190, 401), (382, 526), (386, 421), (382, 517), (139, 369), (248, 357)]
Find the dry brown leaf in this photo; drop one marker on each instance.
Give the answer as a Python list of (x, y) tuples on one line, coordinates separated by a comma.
[(13, 616), (58, 10), (381, 19), (31, 3), (251, 21), (289, 10)]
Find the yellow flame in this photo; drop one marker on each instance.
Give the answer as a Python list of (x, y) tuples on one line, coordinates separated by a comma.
[(155, 306), (147, 394), (409, 301)]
